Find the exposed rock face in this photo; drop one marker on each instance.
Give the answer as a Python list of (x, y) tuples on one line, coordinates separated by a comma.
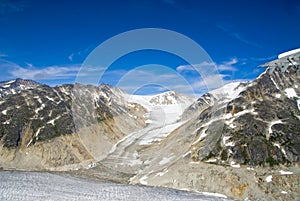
[(36, 118), (42, 111), (260, 126), (16, 86), (235, 140)]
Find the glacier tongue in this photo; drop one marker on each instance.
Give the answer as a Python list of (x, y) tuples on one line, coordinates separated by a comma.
[(163, 117), (44, 186)]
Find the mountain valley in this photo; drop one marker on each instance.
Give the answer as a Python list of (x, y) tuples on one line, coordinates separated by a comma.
[(241, 140)]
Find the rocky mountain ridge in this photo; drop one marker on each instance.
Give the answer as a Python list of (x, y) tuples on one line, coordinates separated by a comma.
[(95, 117), (35, 116), (261, 124), (242, 142), (16, 86), (238, 128)]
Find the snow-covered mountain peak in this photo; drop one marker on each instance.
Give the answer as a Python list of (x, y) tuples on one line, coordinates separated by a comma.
[(229, 91), (16, 86), (162, 99), (170, 98)]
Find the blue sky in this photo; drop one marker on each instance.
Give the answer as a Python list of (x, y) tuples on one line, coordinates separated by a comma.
[(48, 40)]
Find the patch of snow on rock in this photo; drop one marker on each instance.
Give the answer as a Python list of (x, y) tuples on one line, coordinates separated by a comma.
[(202, 136), (212, 160), (275, 83), (143, 180), (233, 164), (290, 92), (214, 194), (276, 145), (148, 121), (282, 172), (277, 95), (269, 178), (270, 126), (160, 174), (165, 160)]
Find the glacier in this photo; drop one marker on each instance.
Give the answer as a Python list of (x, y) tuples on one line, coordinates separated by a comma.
[(25, 186)]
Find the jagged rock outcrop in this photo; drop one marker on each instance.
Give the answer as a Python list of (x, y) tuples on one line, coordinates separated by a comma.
[(35, 117), (232, 140), (259, 126), (241, 140), (16, 86)]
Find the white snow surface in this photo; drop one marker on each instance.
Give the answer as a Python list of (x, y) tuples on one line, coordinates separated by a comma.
[(160, 174), (213, 160), (161, 121), (290, 92), (277, 95), (228, 92), (285, 172), (165, 160), (298, 104), (40, 108), (270, 126), (288, 53), (49, 98), (162, 118), (7, 84), (53, 120), (214, 194), (25, 186), (276, 145), (143, 180), (202, 136), (235, 165), (269, 178), (273, 123), (159, 134), (276, 85)]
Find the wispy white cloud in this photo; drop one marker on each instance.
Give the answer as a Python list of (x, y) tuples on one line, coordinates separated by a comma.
[(238, 36), (264, 58), (132, 80), (228, 65), (46, 73), (193, 67), (3, 55), (210, 82), (220, 74), (185, 78), (54, 72), (79, 55), (224, 66), (160, 77), (242, 39), (70, 57)]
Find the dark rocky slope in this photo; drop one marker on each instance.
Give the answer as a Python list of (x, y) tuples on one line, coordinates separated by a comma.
[(71, 118), (261, 126)]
